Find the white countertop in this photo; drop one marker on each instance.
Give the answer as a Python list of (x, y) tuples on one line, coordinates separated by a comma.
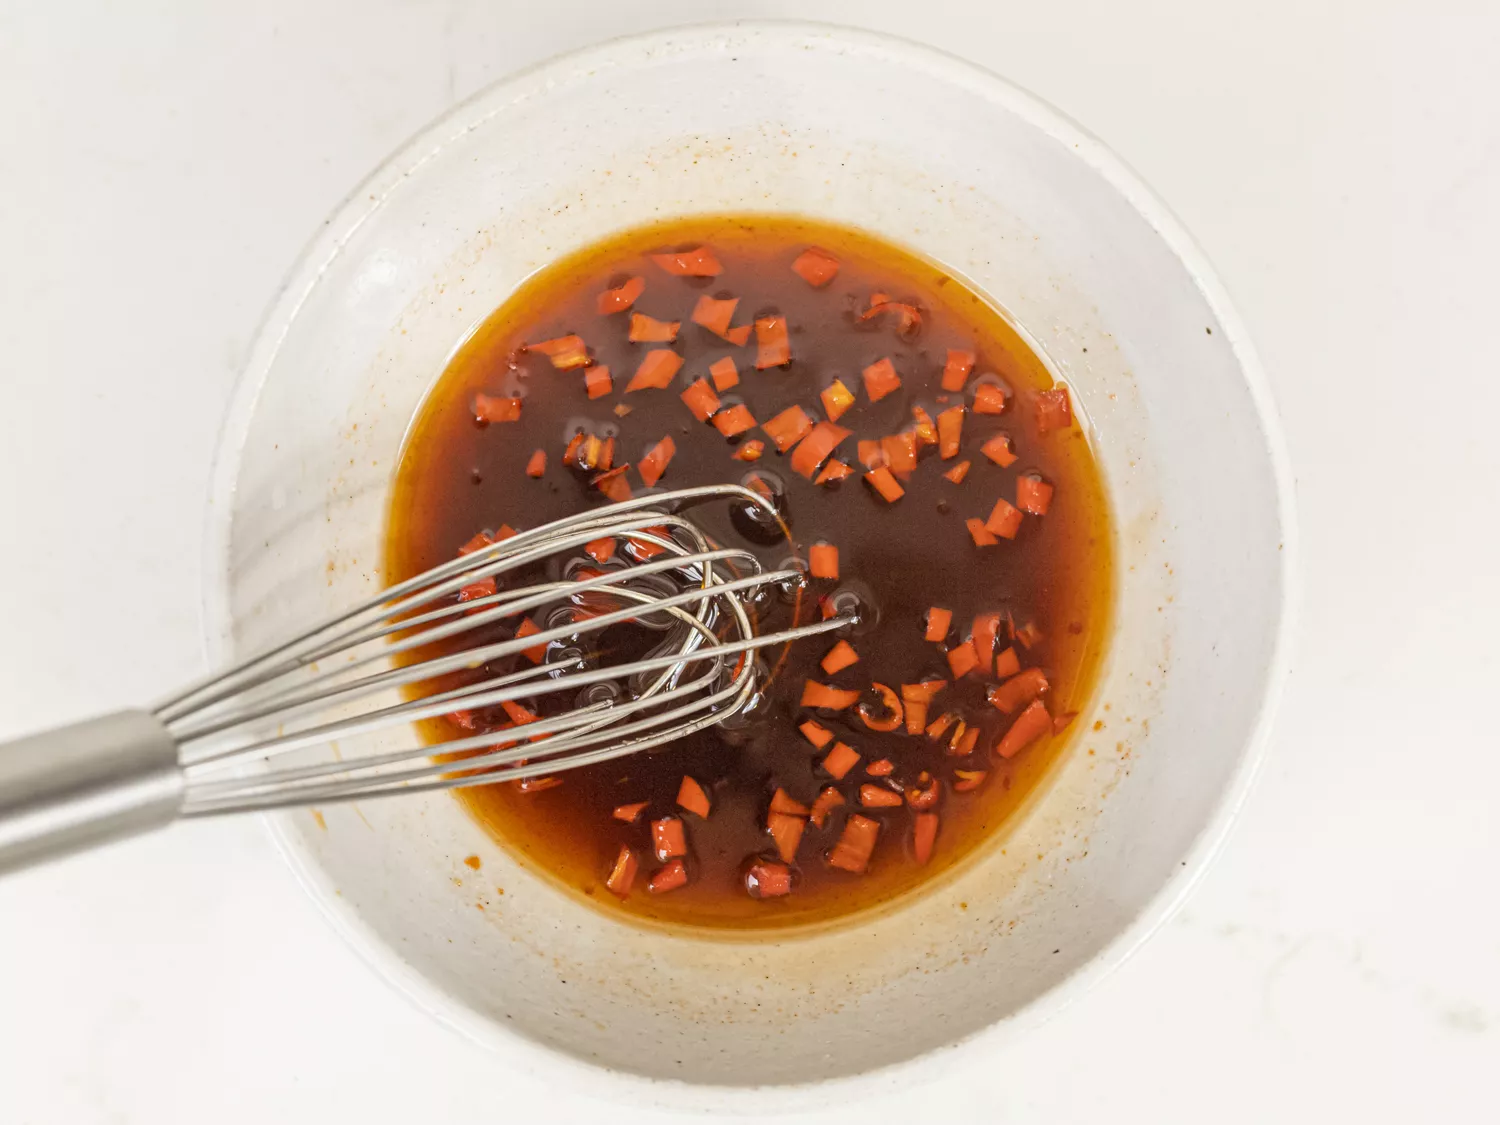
[(160, 167)]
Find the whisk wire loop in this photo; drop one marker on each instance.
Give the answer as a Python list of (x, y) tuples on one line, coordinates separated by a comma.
[(427, 648)]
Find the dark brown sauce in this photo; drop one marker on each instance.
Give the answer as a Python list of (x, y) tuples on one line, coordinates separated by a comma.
[(458, 476)]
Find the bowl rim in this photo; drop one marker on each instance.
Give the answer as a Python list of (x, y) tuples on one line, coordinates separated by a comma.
[(367, 197)]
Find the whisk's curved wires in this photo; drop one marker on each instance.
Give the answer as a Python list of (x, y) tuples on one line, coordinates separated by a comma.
[(295, 649), (521, 762), (487, 692), (202, 803), (367, 778), (384, 614), (500, 754), (287, 701), (387, 613), (684, 690), (286, 704)]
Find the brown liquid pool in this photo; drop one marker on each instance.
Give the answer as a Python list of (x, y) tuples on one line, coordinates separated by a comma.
[(814, 809)]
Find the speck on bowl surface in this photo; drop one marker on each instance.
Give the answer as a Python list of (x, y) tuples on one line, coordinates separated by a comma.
[(969, 171)]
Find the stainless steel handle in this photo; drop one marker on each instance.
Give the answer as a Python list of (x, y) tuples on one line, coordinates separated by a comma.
[(84, 785)]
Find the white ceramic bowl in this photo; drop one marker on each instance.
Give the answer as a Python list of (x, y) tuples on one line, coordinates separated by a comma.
[(929, 152)]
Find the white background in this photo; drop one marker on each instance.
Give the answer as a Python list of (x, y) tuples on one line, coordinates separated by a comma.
[(162, 163)]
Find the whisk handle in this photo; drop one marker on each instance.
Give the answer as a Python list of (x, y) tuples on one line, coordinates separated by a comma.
[(83, 785)]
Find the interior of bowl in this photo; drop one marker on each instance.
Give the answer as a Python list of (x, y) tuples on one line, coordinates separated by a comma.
[(958, 167)]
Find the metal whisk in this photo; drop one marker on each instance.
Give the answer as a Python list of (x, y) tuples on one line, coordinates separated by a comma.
[(219, 745)]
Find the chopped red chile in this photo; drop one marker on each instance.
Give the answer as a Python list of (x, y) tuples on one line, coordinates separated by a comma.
[(648, 330), (957, 369), (1007, 663), (840, 760), (734, 420), (828, 800), (815, 694), (1033, 495), (1005, 519), (885, 484), (823, 560), (657, 369), (1054, 410), (697, 262), (764, 879), (494, 408), (715, 315), (881, 379), (998, 449), (833, 471), (1018, 691), (668, 838), (656, 460), (622, 875), (565, 352), (622, 296), (786, 831), (839, 657), (701, 399), (788, 428), (724, 374), (773, 346), (924, 829), (856, 845), (819, 735), (887, 714), (668, 877), (692, 798), (598, 382), (816, 267), (630, 813), (837, 398), (815, 448), (989, 399), (1030, 725)]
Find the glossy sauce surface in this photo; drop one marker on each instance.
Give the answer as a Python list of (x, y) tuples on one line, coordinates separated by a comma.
[(1051, 583)]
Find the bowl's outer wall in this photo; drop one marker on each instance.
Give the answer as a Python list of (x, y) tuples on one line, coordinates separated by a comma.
[(965, 170)]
